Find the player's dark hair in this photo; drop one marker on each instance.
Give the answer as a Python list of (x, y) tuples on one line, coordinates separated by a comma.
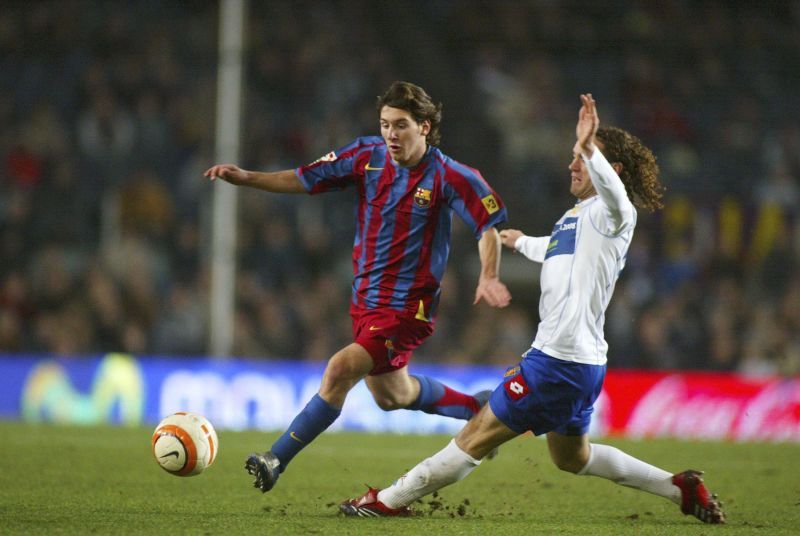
[(639, 169), (414, 100)]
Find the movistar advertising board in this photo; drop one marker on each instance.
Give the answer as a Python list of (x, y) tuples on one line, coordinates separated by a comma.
[(237, 394), (233, 394)]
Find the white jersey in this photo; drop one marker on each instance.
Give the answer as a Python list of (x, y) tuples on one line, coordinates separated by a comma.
[(581, 262)]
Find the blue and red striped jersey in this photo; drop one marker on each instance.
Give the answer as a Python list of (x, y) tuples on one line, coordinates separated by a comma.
[(403, 219)]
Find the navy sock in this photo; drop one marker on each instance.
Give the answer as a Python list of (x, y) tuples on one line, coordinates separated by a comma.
[(309, 423), (438, 399)]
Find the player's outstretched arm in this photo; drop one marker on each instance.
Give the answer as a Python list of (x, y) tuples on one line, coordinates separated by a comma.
[(509, 237), (276, 181), (490, 288), (604, 177), (533, 247), (585, 130)]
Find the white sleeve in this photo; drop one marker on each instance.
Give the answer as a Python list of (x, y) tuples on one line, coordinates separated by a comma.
[(533, 247), (611, 190)]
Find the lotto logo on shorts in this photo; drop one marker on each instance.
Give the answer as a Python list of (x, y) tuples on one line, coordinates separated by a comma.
[(516, 387)]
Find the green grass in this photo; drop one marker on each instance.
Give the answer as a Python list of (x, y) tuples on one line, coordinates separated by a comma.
[(73, 480)]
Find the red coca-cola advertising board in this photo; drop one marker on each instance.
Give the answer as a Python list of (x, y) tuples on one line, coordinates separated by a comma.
[(699, 405)]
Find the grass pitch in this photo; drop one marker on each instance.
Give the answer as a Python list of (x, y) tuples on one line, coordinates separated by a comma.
[(71, 480)]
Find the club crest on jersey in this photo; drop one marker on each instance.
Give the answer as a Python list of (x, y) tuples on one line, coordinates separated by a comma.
[(330, 157), (422, 197)]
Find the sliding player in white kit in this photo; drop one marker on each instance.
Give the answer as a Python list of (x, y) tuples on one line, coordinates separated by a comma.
[(554, 387)]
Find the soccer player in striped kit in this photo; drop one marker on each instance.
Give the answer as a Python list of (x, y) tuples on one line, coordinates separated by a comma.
[(553, 389), (407, 191)]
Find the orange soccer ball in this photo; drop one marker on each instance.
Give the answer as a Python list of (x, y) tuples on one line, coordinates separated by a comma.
[(185, 444)]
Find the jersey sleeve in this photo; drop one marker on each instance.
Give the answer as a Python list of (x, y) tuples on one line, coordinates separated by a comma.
[(338, 169), (619, 213), (533, 247), (471, 197)]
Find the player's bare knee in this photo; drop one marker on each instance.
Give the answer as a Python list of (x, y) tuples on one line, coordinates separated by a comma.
[(342, 368), (571, 463), (472, 442), (336, 383), (569, 466), (337, 370), (388, 402)]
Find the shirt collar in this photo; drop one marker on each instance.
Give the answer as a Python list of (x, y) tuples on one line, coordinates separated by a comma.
[(586, 201)]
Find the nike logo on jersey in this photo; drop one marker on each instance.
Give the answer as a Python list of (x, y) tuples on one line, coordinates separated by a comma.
[(374, 328), (293, 436), (370, 168)]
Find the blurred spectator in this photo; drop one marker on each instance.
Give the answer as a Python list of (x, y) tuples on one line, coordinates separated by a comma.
[(108, 123)]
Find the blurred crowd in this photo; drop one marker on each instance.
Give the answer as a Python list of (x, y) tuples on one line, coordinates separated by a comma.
[(108, 121)]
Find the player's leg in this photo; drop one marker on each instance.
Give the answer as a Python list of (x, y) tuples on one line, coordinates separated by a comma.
[(505, 416), (479, 436), (346, 368), (400, 390), (393, 390), (575, 454), (390, 339), (569, 445), (482, 434)]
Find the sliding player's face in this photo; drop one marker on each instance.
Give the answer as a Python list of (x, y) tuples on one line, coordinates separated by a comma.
[(404, 137), (581, 185)]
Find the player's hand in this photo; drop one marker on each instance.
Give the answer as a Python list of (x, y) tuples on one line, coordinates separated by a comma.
[(227, 172), (493, 292), (509, 237), (588, 122)]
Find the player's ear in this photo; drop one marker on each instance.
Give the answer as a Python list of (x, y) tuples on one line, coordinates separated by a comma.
[(618, 167), (426, 127)]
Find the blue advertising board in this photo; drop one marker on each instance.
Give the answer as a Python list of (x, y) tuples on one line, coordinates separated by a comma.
[(234, 394)]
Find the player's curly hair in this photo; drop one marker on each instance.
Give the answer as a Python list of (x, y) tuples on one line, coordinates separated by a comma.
[(416, 101), (639, 168)]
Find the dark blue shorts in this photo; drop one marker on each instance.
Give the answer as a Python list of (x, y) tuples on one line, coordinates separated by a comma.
[(545, 394)]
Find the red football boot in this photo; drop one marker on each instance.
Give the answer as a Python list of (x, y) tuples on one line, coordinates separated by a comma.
[(368, 505), (695, 498)]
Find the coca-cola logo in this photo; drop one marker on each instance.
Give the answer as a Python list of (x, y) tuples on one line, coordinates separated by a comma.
[(675, 408), (772, 414)]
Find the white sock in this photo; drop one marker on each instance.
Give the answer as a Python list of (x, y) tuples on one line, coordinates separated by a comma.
[(613, 464), (449, 465)]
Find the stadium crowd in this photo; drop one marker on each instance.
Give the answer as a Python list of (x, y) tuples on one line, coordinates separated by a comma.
[(107, 114)]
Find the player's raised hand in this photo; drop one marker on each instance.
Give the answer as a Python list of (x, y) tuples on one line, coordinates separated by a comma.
[(493, 292), (588, 122), (509, 237), (227, 172)]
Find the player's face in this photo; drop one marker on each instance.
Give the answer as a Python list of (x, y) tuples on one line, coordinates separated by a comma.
[(581, 185), (404, 137)]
